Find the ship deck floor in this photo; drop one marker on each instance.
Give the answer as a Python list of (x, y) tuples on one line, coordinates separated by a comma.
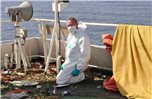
[(87, 89)]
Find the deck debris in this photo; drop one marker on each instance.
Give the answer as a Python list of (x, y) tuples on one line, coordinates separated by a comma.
[(41, 86)]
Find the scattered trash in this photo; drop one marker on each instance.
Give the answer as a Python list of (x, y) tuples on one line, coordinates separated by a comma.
[(63, 93), (16, 83), (38, 86), (6, 72), (40, 67), (31, 83), (98, 87), (104, 76), (12, 78), (21, 74), (7, 61), (33, 78), (54, 90), (17, 94), (3, 87), (66, 92), (24, 83)]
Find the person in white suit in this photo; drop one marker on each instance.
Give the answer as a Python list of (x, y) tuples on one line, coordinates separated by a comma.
[(77, 55)]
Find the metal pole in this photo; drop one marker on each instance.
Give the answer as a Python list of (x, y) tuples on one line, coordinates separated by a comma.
[(57, 26), (50, 51), (58, 39), (44, 40), (53, 35), (16, 48)]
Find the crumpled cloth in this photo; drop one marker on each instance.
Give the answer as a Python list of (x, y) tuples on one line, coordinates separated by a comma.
[(132, 61), (110, 84), (107, 41)]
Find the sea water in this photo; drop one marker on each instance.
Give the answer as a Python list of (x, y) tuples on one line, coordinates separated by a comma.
[(115, 12)]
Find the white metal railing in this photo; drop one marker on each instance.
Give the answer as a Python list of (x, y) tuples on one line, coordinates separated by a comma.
[(63, 21), (87, 23)]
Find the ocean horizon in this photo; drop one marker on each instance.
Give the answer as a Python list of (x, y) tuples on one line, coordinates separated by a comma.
[(113, 12)]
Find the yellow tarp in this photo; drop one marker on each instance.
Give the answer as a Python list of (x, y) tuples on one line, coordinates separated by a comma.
[(132, 61)]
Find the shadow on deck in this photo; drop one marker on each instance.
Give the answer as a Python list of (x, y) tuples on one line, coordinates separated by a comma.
[(88, 90)]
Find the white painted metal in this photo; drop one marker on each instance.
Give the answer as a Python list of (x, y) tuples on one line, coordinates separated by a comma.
[(87, 23), (56, 34), (100, 58)]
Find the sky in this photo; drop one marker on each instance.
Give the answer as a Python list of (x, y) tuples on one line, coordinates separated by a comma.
[(77, 0)]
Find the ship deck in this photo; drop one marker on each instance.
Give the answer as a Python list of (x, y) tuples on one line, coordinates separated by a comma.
[(87, 89)]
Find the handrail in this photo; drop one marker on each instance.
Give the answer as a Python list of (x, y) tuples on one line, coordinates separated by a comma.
[(100, 24), (49, 20), (63, 21), (5, 21), (87, 23)]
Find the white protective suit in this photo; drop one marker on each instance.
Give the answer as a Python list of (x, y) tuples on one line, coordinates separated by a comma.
[(77, 54)]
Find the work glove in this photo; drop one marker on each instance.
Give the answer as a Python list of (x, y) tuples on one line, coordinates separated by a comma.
[(61, 67), (75, 72)]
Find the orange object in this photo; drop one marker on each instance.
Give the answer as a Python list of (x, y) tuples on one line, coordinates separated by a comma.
[(107, 36), (110, 84), (17, 91), (107, 41)]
